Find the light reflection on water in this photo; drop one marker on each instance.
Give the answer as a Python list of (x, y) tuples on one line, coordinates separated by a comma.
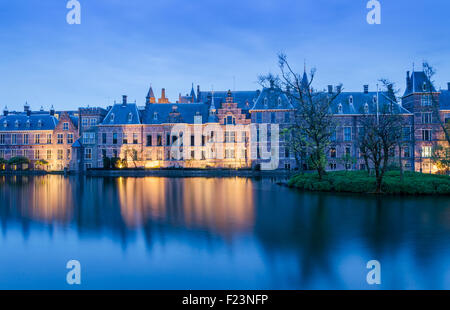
[(215, 233)]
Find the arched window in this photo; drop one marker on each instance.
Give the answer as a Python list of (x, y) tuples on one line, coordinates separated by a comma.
[(130, 117), (28, 123), (340, 108), (39, 123), (350, 100), (5, 124), (155, 116), (279, 102), (111, 119), (366, 108), (16, 124)]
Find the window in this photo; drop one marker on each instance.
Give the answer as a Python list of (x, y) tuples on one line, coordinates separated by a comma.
[(427, 118), (340, 111), (192, 140), (273, 117), (49, 138), (286, 153), (68, 154), (159, 140), (426, 134), (70, 138), (426, 100), (333, 152), (279, 102), (348, 150), (244, 137), (115, 153), (333, 135), (258, 117), (60, 154), (49, 154), (88, 138), (406, 133), (37, 154), (25, 139), (88, 153), (103, 137), (287, 117), (84, 122), (37, 139), (135, 138), (168, 139), (230, 136), (149, 140), (103, 153), (230, 120), (426, 151), (60, 138), (406, 152), (13, 139), (229, 153), (111, 119), (347, 133), (332, 166), (130, 117), (66, 126), (125, 139), (115, 138), (88, 165), (93, 121)]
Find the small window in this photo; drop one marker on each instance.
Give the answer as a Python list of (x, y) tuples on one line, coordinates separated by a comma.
[(266, 102), (66, 126), (340, 111), (39, 123), (130, 117), (155, 116), (16, 124), (111, 118), (350, 100), (279, 102), (366, 108)]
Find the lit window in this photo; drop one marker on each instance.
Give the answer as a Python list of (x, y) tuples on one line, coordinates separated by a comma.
[(426, 151)]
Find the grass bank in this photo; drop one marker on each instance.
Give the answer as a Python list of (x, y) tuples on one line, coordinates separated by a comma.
[(414, 183)]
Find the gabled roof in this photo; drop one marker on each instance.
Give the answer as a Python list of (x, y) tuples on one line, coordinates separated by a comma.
[(415, 83), (356, 103), (272, 99), (244, 99), (20, 122), (165, 113), (122, 114)]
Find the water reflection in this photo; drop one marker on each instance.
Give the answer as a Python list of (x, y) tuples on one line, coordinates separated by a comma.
[(267, 236)]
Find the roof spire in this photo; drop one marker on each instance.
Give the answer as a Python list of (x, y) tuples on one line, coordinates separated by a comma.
[(193, 97), (150, 96)]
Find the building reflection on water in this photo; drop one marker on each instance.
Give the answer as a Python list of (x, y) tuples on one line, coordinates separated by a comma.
[(308, 236)]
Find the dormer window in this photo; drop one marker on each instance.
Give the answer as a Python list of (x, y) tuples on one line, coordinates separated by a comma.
[(366, 108), (155, 116), (39, 123), (374, 99), (279, 101), (112, 118), (16, 124), (350, 100), (340, 108), (266, 102), (5, 124), (424, 86), (130, 117), (28, 123)]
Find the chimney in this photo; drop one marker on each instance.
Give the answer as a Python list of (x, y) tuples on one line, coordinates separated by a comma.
[(330, 89), (52, 111), (124, 100), (366, 89), (338, 88), (198, 93), (5, 111), (448, 86)]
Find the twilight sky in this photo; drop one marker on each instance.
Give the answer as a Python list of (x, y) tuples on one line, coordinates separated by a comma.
[(123, 46)]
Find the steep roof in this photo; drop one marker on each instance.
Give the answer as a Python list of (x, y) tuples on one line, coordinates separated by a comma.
[(272, 99), (415, 83), (355, 103), (175, 113), (22, 122), (122, 114)]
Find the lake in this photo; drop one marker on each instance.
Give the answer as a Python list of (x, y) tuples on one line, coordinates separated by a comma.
[(215, 233)]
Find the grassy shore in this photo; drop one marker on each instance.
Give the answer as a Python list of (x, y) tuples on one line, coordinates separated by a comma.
[(360, 182)]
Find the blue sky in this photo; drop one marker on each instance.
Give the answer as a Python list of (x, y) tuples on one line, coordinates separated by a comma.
[(123, 46)]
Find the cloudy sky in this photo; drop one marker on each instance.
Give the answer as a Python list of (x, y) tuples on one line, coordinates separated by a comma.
[(123, 46)]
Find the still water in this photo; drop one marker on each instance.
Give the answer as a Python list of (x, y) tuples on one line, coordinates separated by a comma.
[(215, 233)]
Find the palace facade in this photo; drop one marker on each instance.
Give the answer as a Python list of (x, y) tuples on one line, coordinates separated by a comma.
[(222, 129)]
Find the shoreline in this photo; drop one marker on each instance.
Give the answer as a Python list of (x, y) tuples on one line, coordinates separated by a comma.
[(160, 173)]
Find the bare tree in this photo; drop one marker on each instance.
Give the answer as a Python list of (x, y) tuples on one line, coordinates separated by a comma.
[(313, 122), (381, 133), (429, 73)]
